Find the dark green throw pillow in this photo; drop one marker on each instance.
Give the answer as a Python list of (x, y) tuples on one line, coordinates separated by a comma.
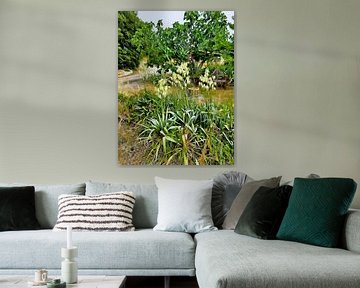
[(17, 208), (263, 214), (316, 211)]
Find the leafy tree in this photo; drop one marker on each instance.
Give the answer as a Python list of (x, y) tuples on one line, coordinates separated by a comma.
[(203, 37), (209, 40), (208, 34), (128, 24)]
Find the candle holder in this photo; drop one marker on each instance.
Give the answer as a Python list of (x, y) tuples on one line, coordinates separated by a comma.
[(69, 271)]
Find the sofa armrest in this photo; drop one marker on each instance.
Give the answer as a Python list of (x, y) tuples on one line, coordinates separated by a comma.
[(351, 234)]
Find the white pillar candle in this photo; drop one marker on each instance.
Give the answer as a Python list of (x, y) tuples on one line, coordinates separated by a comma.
[(69, 237)]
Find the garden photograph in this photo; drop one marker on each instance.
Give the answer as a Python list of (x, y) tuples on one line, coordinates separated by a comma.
[(176, 87)]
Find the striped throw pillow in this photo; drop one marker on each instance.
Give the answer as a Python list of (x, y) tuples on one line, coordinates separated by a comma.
[(105, 212)]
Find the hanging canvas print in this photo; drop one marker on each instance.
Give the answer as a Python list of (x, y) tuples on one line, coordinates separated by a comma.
[(176, 87)]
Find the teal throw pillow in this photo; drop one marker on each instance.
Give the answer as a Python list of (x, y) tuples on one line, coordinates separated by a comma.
[(316, 211)]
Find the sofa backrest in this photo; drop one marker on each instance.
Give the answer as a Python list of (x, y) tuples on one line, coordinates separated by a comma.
[(146, 203), (46, 200)]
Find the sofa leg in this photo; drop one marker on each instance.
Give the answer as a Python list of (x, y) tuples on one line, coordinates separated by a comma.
[(167, 282)]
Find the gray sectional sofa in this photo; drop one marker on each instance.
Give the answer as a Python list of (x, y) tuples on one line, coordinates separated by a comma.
[(219, 259)]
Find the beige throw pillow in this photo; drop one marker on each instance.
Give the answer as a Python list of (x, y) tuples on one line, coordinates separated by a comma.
[(243, 198)]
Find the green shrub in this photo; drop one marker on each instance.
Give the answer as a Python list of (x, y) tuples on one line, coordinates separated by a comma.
[(179, 130)]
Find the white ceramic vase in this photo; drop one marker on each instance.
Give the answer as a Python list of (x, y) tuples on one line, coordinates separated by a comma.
[(69, 270)]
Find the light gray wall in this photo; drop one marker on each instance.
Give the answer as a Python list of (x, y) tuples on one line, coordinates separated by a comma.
[(297, 89)]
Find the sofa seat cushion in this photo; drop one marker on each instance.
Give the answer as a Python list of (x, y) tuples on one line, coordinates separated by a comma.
[(142, 249), (225, 259)]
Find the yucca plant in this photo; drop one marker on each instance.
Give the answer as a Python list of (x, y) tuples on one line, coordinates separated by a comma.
[(159, 131), (178, 130)]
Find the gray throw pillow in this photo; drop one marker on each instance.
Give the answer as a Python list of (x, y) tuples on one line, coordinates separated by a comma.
[(46, 200), (226, 187), (184, 205), (243, 198)]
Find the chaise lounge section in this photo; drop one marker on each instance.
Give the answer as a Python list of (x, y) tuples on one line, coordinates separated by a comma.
[(225, 259)]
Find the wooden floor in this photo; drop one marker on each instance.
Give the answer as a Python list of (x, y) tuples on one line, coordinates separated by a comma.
[(158, 282)]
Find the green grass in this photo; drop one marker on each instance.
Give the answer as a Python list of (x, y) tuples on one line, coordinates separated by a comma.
[(178, 129)]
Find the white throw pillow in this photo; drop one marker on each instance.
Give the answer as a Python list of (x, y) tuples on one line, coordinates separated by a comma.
[(184, 205), (104, 212)]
